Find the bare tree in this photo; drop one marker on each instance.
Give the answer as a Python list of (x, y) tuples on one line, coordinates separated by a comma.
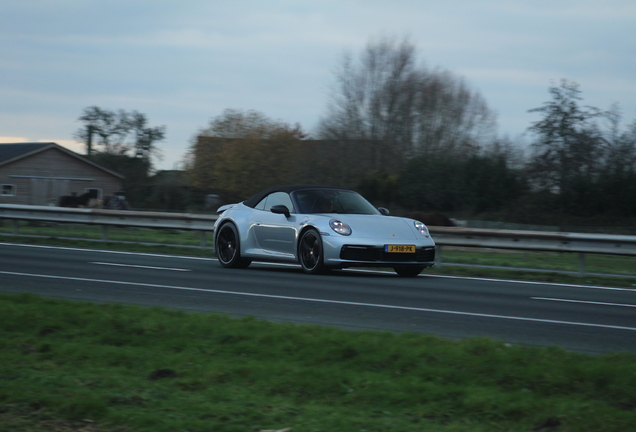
[(120, 132), (450, 118), (569, 143), (393, 109), (373, 102), (620, 151)]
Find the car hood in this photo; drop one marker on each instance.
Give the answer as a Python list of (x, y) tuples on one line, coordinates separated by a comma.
[(377, 226)]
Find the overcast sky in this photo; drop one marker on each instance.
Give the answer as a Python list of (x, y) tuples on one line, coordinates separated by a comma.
[(183, 62)]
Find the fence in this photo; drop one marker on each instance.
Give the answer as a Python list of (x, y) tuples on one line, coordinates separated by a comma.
[(579, 243)]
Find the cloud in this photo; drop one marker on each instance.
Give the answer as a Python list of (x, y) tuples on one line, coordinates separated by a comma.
[(182, 63), (7, 140), (509, 76)]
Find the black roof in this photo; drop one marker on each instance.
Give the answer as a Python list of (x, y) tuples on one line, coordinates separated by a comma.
[(251, 202), (13, 150)]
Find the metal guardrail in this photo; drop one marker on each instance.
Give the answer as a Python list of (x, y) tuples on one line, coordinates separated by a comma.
[(109, 218), (120, 218), (534, 241), (444, 236)]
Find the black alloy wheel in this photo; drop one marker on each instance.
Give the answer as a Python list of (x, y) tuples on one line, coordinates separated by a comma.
[(228, 248), (310, 252)]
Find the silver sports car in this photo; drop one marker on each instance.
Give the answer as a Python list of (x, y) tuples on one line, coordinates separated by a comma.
[(321, 228)]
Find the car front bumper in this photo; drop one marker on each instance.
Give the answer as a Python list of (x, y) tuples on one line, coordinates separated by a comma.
[(347, 252)]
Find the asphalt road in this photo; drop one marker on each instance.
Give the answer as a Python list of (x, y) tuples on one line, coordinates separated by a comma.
[(580, 318)]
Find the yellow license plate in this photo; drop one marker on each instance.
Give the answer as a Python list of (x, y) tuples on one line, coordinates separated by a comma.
[(399, 248)]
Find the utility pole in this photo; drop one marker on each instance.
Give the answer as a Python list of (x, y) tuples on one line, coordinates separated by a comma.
[(89, 141), (143, 145)]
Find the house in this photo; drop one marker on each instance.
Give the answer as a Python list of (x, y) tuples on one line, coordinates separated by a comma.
[(39, 173)]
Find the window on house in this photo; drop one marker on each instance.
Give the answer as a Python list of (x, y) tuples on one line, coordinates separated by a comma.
[(8, 190)]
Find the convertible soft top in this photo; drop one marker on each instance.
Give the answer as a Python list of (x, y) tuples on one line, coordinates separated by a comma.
[(251, 202)]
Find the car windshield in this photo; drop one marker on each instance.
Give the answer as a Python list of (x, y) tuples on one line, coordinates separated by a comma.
[(332, 201)]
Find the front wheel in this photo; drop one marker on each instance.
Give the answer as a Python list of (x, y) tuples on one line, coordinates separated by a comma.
[(310, 253), (408, 271), (228, 248)]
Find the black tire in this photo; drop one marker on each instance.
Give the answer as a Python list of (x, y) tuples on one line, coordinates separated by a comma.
[(310, 253), (408, 271), (228, 248)]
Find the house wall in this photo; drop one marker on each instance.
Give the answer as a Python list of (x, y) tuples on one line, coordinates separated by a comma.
[(42, 178)]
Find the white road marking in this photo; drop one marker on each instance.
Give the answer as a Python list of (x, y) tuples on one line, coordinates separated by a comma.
[(583, 301), (110, 251), (529, 282), (387, 272), (359, 270), (539, 320), (140, 266)]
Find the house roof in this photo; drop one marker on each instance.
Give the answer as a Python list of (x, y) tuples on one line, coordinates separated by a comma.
[(15, 151)]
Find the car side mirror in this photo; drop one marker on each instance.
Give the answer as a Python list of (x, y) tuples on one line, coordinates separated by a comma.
[(280, 209), (384, 211)]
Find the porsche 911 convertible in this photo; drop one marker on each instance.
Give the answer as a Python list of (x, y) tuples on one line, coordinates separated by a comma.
[(320, 228)]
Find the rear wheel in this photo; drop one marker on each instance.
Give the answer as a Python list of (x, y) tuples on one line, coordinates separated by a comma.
[(228, 248), (310, 252), (408, 271)]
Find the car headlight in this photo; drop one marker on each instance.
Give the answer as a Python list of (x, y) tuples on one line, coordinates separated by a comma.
[(421, 228), (340, 227)]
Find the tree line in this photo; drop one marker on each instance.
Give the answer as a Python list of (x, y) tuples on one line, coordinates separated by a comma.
[(415, 138)]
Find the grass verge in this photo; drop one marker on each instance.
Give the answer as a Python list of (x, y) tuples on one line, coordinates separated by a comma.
[(82, 366)]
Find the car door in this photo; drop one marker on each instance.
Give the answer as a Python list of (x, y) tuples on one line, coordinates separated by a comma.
[(275, 233)]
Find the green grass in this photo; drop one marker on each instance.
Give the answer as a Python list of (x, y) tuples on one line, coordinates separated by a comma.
[(73, 366), (556, 261), (66, 365), (90, 232), (167, 249)]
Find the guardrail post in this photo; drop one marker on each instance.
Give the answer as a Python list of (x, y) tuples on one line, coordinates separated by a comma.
[(581, 264), (16, 227), (104, 232), (203, 239), (438, 256)]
